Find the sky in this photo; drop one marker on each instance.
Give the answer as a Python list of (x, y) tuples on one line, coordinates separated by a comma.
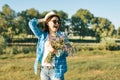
[(109, 9)]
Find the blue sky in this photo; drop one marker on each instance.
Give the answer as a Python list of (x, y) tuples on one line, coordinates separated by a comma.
[(109, 9)]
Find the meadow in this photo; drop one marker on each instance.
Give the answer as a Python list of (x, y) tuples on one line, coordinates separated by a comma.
[(84, 65)]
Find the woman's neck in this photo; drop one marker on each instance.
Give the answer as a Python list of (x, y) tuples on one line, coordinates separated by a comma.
[(52, 33)]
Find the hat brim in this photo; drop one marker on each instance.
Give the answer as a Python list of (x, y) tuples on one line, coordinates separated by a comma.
[(51, 16)]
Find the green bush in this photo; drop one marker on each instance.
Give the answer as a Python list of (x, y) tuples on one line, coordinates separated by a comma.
[(109, 44), (15, 50), (102, 46), (19, 49), (25, 50), (9, 51)]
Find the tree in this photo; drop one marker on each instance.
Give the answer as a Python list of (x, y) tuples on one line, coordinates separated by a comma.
[(23, 19), (102, 28), (118, 32), (78, 23), (81, 20), (6, 24)]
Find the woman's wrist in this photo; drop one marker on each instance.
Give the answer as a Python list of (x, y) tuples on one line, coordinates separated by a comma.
[(41, 20)]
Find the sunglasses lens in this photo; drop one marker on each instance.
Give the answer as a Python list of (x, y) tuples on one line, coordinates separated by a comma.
[(56, 21)]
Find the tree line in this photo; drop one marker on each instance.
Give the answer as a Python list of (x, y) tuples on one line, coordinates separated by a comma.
[(82, 23)]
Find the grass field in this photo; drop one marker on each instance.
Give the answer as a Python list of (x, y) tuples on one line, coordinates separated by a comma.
[(86, 65)]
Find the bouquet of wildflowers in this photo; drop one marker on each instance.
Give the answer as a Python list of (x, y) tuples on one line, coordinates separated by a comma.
[(58, 43)]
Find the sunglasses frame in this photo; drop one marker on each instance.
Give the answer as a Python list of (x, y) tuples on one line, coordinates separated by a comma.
[(56, 21)]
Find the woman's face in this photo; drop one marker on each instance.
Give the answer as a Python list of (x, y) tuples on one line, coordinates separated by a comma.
[(54, 24)]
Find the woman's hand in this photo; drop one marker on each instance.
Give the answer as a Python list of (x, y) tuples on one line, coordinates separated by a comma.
[(55, 51)]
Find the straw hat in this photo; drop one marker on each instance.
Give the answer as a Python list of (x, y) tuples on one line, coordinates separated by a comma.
[(49, 14)]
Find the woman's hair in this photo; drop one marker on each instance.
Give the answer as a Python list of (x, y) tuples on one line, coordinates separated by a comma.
[(46, 27)]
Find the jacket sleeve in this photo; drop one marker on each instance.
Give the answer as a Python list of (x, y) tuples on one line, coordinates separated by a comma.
[(33, 26)]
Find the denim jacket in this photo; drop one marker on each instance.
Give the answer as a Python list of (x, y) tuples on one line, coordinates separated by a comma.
[(60, 59)]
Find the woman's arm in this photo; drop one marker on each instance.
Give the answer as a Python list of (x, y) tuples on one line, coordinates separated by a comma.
[(33, 26)]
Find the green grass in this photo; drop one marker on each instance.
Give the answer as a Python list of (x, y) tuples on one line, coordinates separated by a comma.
[(85, 65)]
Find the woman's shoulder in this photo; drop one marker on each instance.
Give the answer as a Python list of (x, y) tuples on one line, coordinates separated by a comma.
[(61, 33)]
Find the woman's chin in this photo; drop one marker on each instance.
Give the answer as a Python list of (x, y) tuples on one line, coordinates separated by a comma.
[(55, 30)]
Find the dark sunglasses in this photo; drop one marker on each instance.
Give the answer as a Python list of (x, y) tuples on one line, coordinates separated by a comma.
[(56, 21)]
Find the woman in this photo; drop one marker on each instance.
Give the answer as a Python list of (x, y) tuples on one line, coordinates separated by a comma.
[(57, 66)]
